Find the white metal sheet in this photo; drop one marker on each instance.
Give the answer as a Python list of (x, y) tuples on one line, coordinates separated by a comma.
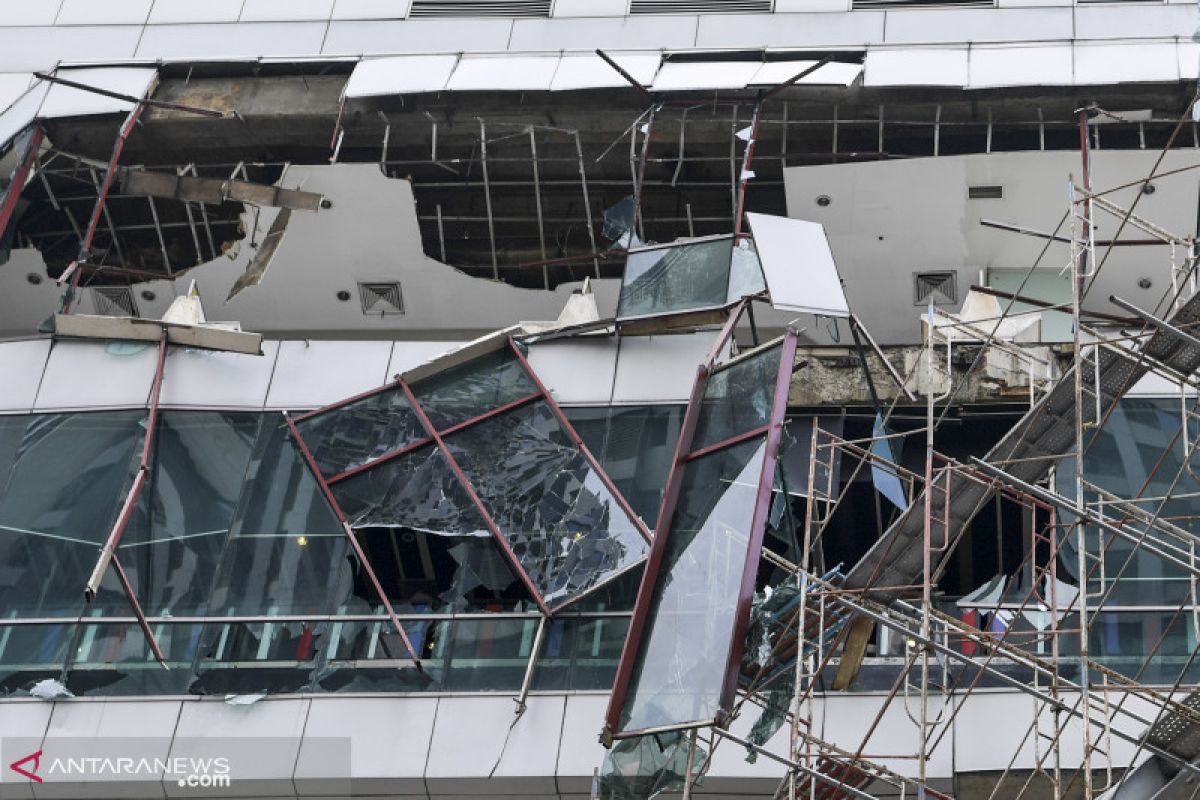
[(311, 374), (21, 364), (109, 12), (167, 12), (835, 73), (63, 101), (83, 375), (41, 48), (798, 265), (503, 73), (209, 379), (942, 66), (577, 371), (409, 354), (414, 36), (20, 112), (400, 75), (688, 75), (24, 12), (1189, 60), (1125, 62), (650, 33), (659, 369), (591, 71), (286, 10), (1032, 65), (370, 9), (244, 40)]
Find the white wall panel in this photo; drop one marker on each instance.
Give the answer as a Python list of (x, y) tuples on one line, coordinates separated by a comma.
[(389, 738), (409, 354), (310, 374), (24, 12), (400, 75), (590, 8), (790, 30), (589, 71), (218, 380), (12, 86), (370, 9), (474, 726), (417, 36), (64, 101), (286, 10), (97, 374), (242, 40), (620, 33), (29, 49), (685, 75), (579, 372), (1188, 54), (1134, 21), (108, 12), (835, 73), (22, 112), (659, 369), (176, 11), (927, 26), (21, 364), (22, 729), (1125, 62), (1035, 65), (925, 66), (580, 751), (810, 6), (503, 73)]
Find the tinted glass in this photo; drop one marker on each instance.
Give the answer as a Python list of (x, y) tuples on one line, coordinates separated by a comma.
[(738, 398), (677, 278), (482, 384), (353, 434)]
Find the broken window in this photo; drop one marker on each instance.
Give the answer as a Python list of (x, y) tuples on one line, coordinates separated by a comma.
[(666, 279), (680, 667), (360, 431)]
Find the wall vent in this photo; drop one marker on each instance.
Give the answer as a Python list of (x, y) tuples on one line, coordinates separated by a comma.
[(381, 298), (938, 287), (857, 5), (700, 6), (479, 8), (985, 192), (114, 301)]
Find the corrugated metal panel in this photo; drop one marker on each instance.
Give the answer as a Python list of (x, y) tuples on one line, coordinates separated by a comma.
[(700, 6), (479, 8)]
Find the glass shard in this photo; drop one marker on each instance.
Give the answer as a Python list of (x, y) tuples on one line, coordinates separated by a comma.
[(563, 524), (647, 766), (353, 434), (683, 277), (886, 481), (680, 669), (738, 398), (417, 490), (460, 393), (745, 273)]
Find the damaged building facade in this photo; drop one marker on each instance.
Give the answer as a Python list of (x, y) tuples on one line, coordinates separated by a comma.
[(599, 399)]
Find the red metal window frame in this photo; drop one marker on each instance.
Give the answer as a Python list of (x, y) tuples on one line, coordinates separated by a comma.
[(19, 176), (773, 432), (434, 436)]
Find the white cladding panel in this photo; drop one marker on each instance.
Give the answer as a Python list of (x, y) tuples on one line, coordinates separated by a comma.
[(218, 380), (500, 73), (1035, 65), (176, 11), (591, 71), (313, 373), (400, 75), (941, 66), (109, 12), (579, 371), (21, 364), (64, 101), (798, 265), (83, 374)]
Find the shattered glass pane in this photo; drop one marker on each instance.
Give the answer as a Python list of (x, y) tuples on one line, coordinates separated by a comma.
[(418, 490), (680, 670), (745, 273), (259, 657), (287, 552), (618, 221), (59, 504), (682, 277), (646, 766), (738, 398), (350, 435), (115, 659), (562, 523), (460, 393), (30, 653)]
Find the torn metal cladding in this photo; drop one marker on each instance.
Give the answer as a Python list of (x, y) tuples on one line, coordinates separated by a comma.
[(467, 447), (171, 186)]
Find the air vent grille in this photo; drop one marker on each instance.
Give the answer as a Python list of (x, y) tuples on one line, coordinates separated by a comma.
[(985, 192), (858, 5), (381, 298), (479, 8), (700, 6), (939, 287), (114, 301)]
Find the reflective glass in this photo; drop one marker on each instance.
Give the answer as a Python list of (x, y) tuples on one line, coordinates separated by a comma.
[(680, 277), (371, 657), (738, 398), (468, 390), (287, 552), (173, 542), (745, 273), (30, 653), (12, 430), (67, 482), (418, 490), (258, 657), (562, 523), (115, 659), (489, 654), (681, 662), (353, 434)]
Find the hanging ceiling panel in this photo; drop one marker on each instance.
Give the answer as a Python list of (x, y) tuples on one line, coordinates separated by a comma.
[(697, 75), (400, 75), (798, 265), (64, 101), (917, 67), (835, 73), (503, 73), (591, 72)]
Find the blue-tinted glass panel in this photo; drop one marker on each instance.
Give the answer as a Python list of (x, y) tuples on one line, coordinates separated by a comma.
[(681, 661), (353, 434), (563, 524), (468, 390), (682, 277)]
